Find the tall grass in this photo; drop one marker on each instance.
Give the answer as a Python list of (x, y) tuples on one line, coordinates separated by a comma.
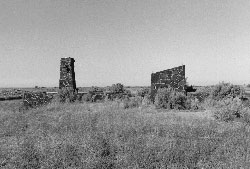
[(105, 135)]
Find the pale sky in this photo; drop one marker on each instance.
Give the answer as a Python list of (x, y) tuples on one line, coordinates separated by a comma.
[(123, 41)]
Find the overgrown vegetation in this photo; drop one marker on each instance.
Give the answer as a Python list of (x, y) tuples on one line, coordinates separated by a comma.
[(225, 101), (94, 94), (202, 93), (90, 135), (132, 102), (226, 90), (230, 109), (117, 91), (168, 98), (144, 92), (129, 132)]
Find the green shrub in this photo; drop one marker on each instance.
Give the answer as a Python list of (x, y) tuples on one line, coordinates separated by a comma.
[(116, 91), (162, 98), (79, 97), (178, 100), (143, 92), (128, 93), (195, 104), (87, 97), (132, 102), (201, 93), (146, 100), (229, 109), (221, 93), (209, 103), (168, 98), (117, 96), (116, 88), (226, 90)]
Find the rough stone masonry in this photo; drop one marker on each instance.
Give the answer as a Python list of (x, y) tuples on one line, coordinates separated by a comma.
[(34, 99), (67, 73), (67, 79), (174, 78)]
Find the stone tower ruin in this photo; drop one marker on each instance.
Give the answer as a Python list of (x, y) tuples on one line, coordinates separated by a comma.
[(174, 78), (67, 74)]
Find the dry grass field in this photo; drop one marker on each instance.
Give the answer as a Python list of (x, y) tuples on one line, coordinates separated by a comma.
[(105, 135)]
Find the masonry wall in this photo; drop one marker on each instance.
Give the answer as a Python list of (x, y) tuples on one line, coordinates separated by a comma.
[(34, 99), (174, 78), (67, 73)]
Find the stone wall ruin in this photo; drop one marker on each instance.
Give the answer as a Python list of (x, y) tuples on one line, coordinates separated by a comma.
[(174, 78)]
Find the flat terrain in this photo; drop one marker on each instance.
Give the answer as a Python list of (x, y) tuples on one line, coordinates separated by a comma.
[(105, 135)]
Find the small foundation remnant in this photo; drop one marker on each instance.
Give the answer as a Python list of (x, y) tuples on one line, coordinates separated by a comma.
[(67, 74), (34, 99), (174, 78)]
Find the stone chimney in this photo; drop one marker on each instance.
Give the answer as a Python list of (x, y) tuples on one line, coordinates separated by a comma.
[(67, 74)]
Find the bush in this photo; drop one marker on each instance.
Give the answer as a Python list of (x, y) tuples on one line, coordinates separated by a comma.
[(87, 97), (220, 93), (128, 93), (117, 91), (116, 96), (116, 88), (226, 90), (229, 109), (178, 100), (162, 98), (143, 92), (209, 103), (195, 104), (79, 97), (201, 93), (168, 98), (248, 85), (146, 100), (132, 102)]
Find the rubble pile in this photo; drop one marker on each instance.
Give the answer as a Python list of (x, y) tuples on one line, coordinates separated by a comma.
[(11, 94), (34, 99)]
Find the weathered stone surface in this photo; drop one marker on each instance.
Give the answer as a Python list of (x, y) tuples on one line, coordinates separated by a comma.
[(174, 78), (67, 74), (11, 94), (34, 99)]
